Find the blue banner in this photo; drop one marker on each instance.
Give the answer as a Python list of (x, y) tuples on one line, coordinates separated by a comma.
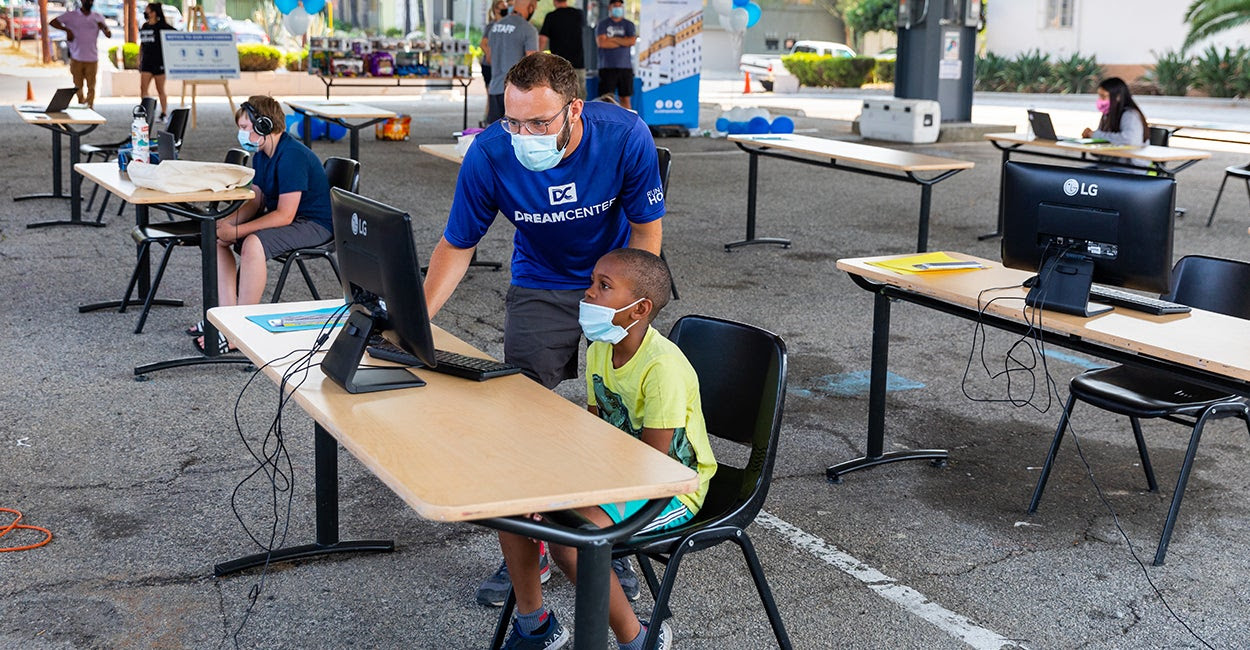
[(670, 57)]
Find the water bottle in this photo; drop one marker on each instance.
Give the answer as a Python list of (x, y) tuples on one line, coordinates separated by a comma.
[(139, 141)]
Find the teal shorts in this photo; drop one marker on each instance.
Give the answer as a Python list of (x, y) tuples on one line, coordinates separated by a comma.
[(674, 514)]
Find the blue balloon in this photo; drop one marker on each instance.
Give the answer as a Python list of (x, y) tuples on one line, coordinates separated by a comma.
[(741, 3), (753, 13), (316, 128), (722, 124), (285, 6), (782, 124), (757, 125), (737, 128), (335, 132), (314, 7), (295, 125)]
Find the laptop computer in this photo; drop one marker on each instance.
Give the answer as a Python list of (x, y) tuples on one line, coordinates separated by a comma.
[(1044, 129), (60, 101)]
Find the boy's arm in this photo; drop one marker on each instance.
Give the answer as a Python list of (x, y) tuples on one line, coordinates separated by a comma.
[(661, 439)]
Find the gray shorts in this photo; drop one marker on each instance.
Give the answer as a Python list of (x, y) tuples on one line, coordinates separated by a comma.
[(300, 233), (541, 334)]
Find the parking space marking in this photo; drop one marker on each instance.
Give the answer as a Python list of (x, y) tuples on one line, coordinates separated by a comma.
[(954, 624)]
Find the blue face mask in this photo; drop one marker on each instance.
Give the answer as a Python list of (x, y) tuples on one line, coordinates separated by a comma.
[(597, 325), (245, 141), (537, 153), (617, 12)]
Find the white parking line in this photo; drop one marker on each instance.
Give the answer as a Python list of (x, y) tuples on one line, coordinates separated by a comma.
[(888, 588)]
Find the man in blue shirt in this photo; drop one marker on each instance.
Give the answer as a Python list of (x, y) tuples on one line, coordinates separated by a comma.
[(615, 37), (576, 180)]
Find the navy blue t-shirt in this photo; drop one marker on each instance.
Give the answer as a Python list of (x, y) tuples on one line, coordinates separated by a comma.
[(567, 217), (294, 168)]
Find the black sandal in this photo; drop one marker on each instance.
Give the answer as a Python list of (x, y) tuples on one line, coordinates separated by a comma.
[(223, 346), (196, 329)]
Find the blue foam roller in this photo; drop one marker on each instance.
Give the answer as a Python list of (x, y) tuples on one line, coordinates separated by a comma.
[(757, 125), (722, 124), (335, 132), (782, 124), (316, 128), (737, 128)]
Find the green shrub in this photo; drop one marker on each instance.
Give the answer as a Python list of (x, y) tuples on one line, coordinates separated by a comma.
[(296, 61), (817, 70), (990, 72), (1220, 74), (259, 58), (1173, 73), (883, 72), (1029, 72), (130, 56), (1076, 74)]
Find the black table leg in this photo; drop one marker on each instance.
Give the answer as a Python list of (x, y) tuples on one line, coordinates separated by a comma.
[(327, 492), (922, 237), (590, 623), (143, 281), (876, 404), (998, 229), (752, 178), (75, 180), (307, 128)]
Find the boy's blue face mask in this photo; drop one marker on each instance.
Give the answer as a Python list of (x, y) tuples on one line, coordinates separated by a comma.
[(597, 325), (245, 141)]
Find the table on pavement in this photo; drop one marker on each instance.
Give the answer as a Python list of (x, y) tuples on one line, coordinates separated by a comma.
[(451, 153), (1166, 161), (108, 176), (460, 450), (74, 123), (361, 116), (1204, 130), (854, 157), (1204, 347)]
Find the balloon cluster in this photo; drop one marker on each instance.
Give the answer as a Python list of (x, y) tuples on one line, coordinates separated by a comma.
[(296, 14), (755, 121), (736, 16)]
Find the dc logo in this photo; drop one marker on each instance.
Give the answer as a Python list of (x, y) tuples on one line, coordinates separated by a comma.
[(359, 226), (1071, 187), (562, 194)]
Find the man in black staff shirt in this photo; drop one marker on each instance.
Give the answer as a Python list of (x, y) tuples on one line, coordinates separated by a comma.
[(561, 34)]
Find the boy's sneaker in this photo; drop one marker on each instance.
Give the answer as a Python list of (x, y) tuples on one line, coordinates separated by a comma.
[(628, 579), (665, 639), (550, 636), (494, 590)]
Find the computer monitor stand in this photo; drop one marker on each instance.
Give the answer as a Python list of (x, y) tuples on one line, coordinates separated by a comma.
[(1063, 285), (342, 361)]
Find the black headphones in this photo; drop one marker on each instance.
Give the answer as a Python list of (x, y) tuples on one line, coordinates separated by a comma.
[(261, 124)]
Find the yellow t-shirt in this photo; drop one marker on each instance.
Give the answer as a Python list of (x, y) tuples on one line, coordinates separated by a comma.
[(656, 389)]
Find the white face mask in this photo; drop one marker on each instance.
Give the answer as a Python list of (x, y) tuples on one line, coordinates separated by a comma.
[(597, 325)]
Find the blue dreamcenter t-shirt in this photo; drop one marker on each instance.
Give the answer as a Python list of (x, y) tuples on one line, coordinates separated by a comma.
[(567, 217), (295, 168)]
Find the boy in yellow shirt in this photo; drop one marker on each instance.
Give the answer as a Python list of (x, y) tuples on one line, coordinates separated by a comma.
[(642, 383)]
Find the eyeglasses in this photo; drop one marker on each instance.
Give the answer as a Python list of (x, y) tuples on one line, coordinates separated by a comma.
[(532, 127)]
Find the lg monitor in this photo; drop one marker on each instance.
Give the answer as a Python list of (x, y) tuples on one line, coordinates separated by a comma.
[(1077, 226), (382, 282)]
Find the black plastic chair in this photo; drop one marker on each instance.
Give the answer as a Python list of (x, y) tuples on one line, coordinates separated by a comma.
[(1207, 283), (177, 125), (742, 385), (1241, 172), (104, 152), (665, 159), (184, 232), (1160, 137), (343, 173)]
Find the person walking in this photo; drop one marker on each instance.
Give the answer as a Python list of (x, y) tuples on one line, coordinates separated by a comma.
[(151, 56), (82, 29)]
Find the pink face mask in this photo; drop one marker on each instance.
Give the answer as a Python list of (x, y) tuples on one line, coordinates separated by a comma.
[(1103, 105)]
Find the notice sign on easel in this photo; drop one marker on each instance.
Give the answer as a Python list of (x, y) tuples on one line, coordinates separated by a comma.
[(200, 56)]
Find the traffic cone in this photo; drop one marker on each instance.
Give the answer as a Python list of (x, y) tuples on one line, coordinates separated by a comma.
[(30, 93), (746, 90)]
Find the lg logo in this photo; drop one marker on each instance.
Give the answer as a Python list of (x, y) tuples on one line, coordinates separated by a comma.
[(1071, 187), (359, 226)]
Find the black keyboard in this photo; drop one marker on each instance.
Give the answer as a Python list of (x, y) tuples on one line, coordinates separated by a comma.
[(1117, 298), (449, 363)]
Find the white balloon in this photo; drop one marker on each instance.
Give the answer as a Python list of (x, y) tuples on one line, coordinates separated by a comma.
[(738, 114), (296, 22), (724, 21), (758, 112), (723, 7), (738, 19)]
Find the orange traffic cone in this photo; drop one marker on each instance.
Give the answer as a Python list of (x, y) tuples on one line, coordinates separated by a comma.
[(747, 89), (30, 93)]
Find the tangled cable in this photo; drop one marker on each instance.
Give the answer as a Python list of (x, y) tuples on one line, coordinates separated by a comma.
[(17, 525)]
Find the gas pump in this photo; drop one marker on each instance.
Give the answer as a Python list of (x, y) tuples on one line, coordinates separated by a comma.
[(936, 53)]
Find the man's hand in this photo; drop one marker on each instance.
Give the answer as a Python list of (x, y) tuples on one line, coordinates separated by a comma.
[(227, 233), (69, 36)]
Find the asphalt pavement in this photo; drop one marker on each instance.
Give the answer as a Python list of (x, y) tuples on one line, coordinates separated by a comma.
[(135, 478)]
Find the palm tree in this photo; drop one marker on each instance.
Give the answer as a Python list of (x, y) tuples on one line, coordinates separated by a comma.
[(1208, 17)]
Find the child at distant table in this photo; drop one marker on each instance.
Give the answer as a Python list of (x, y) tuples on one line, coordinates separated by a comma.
[(640, 382)]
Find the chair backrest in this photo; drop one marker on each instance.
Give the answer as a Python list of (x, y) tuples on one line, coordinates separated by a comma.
[(1159, 136), (177, 124), (666, 165), (149, 106), (1213, 284), (742, 384), (343, 173), (238, 157)]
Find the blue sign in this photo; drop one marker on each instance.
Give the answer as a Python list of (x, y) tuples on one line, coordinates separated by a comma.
[(670, 57)]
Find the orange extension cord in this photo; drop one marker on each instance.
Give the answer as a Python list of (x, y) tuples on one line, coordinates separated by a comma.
[(15, 525)]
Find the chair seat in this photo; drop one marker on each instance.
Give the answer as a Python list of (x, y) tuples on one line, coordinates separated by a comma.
[(185, 232), (1142, 393), (1240, 171)]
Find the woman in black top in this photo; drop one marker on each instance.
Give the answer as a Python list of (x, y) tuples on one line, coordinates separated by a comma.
[(151, 58)]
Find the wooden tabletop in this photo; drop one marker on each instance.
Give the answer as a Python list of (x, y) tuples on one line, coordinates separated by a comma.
[(68, 116), (458, 450), (1224, 127), (1199, 339), (340, 110), (854, 152), (1149, 153), (445, 151), (108, 176)]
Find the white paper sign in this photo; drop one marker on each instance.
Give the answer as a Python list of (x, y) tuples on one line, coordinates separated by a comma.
[(200, 55)]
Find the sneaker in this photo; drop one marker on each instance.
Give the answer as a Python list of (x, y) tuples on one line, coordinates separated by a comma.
[(665, 639), (550, 636), (494, 590), (629, 580)]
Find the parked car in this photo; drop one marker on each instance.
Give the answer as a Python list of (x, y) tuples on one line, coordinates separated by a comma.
[(22, 22), (172, 16), (245, 31), (765, 67)]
